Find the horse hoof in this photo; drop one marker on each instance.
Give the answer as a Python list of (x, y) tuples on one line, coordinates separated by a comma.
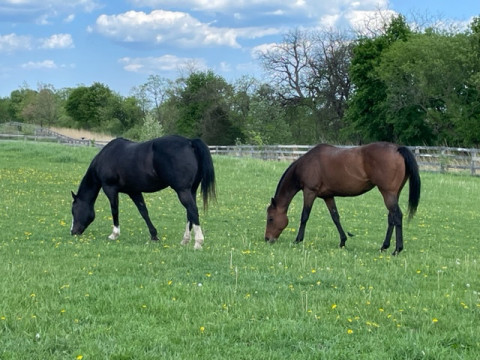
[(197, 247), (154, 238)]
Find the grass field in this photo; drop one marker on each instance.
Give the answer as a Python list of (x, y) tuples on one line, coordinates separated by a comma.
[(64, 297)]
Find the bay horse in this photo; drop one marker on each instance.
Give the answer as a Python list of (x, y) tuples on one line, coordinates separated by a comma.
[(124, 166), (327, 171)]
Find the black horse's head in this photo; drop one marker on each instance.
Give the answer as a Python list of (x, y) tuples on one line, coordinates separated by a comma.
[(277, 220), (83, 215)]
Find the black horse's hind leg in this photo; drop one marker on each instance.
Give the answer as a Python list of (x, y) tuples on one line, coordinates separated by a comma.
[(332, 208), (188, 200), (394, 221), (112, 196), (142, 208)]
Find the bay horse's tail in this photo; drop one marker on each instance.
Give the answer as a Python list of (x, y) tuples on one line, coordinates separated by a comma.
[(207, 172), (411, 168)]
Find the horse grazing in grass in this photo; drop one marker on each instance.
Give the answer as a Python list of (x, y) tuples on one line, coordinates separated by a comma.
[(134, 168), (327, 171)]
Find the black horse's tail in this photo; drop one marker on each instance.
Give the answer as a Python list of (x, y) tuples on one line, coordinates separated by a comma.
[(207, 172), (411, 168)]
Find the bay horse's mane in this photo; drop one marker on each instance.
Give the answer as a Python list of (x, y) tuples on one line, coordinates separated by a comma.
[(283, 176)]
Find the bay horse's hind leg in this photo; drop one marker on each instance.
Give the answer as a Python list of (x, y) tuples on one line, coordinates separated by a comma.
[(332, 208), (142, 208), (187, 198), (395, 218)]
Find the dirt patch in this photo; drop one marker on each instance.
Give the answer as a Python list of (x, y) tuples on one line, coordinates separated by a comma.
[(82, 134)]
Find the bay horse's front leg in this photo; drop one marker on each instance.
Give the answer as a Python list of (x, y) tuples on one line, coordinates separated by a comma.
[(308, 199), (142, 208), (332, 208)]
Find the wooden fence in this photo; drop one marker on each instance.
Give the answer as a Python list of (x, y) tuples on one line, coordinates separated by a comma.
[(37, 133), (437, 158), (440, 159)]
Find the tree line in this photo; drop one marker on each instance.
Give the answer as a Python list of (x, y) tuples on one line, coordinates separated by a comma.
[(401, 84)]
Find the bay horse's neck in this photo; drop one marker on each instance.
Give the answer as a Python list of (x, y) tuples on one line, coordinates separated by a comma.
[(89, 187), (287, 188)]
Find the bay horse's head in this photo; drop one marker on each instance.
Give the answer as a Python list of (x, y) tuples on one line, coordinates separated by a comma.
[(83, 215), (277, 220)]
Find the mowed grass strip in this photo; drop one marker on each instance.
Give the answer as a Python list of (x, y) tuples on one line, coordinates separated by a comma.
[(86, 297)]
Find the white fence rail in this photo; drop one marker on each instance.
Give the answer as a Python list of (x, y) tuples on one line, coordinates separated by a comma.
[(437, 158)]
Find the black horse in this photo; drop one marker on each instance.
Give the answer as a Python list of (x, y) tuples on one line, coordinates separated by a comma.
[(134, 168)]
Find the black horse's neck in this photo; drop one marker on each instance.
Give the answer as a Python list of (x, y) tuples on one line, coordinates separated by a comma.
[(89, 187), (287, 187)]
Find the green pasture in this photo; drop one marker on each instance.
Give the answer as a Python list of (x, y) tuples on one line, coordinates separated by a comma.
[(86, 297)]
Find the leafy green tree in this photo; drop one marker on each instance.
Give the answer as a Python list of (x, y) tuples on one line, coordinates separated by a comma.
[(427, 87), (203, 104), (19, 99), (366, 115), (85, 105), (4, 106)]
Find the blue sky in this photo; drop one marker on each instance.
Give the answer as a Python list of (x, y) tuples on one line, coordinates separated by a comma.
[(67, 43)]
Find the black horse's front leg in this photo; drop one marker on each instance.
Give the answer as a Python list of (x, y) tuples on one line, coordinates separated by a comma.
[(142, 208), (112, 196)]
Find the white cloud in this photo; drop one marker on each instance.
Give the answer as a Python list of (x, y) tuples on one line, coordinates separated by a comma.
[(261, 49), (165, 63), (69, 18), (12, 42), (42, 11), (57, 41), (45, 64), (160, 27)]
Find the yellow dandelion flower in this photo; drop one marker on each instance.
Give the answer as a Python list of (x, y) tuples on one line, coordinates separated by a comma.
[(349, 331), (334, 306), (79, 357), (202, 329), (434, 320)]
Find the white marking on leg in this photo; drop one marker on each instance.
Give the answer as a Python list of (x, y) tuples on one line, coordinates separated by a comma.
[(115, 233), (186, 235), (198, 237)]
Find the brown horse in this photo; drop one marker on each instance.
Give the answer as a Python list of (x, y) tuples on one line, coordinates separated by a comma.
[(327, 171)]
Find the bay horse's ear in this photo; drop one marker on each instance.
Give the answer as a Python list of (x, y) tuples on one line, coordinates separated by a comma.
[(74, 196), (273, 202)]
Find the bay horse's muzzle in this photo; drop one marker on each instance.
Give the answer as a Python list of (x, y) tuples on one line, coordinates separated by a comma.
[(270, 240)]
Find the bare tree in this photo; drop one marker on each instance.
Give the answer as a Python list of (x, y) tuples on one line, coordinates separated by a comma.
[(311, 69)]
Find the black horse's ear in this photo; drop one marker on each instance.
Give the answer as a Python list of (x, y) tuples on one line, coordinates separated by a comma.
[(74, 196), (273, 202)]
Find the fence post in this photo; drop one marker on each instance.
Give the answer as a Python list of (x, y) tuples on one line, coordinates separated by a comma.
[(472, 163)]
